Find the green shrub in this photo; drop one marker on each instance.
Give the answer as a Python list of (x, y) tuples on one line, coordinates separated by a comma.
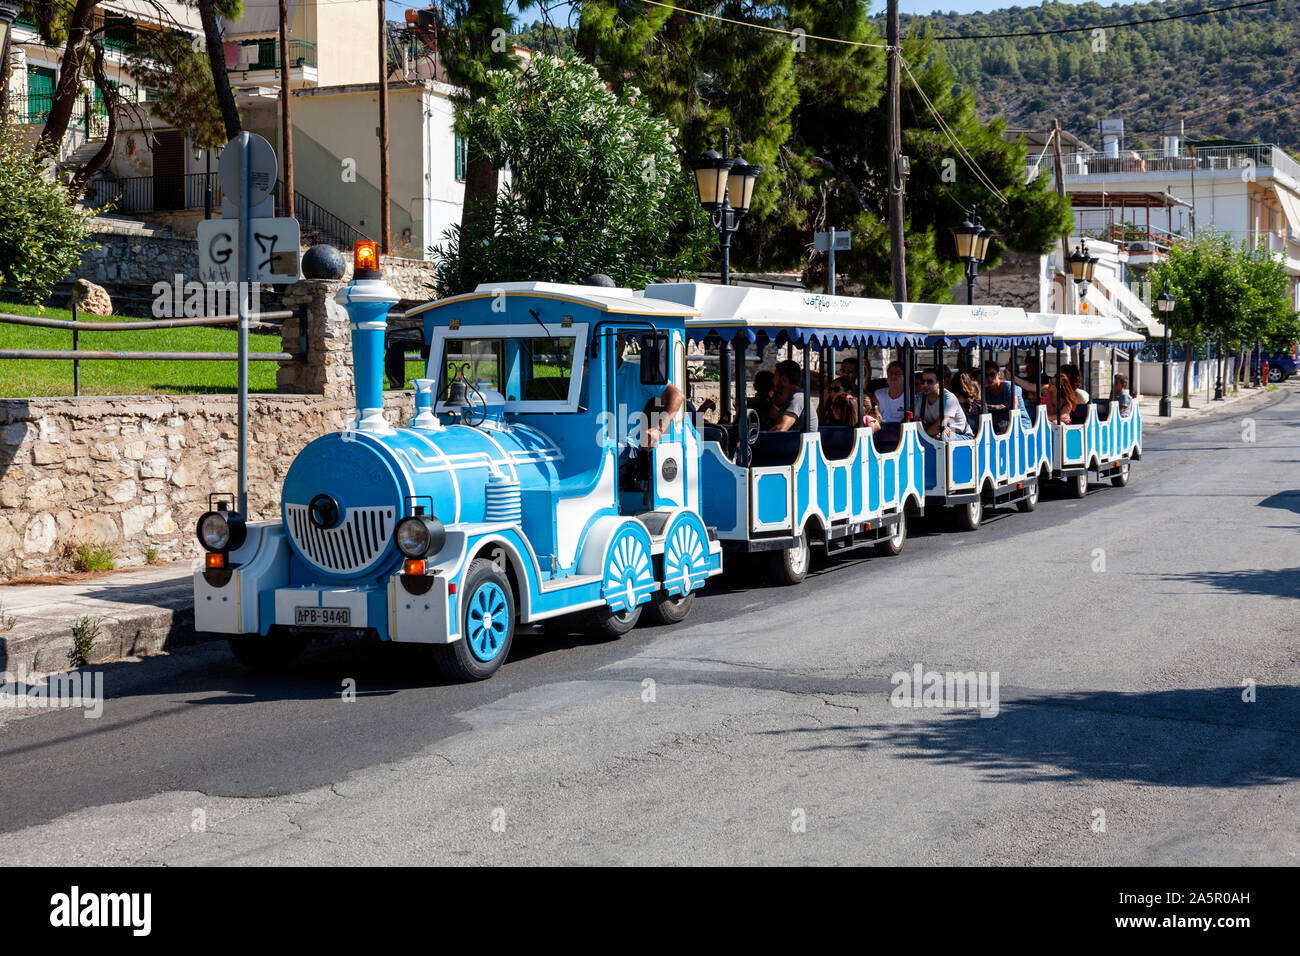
[(93, 557), (42, 234), (85, 631)]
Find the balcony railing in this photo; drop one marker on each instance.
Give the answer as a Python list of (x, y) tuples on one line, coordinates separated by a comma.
[(262, 55), (28, 108), (1207, 158)]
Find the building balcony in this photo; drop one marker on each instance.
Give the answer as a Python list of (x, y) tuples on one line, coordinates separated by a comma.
[(1257, 156), (257, 62)]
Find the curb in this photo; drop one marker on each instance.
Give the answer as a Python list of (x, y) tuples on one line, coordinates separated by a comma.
[(1206, 410)]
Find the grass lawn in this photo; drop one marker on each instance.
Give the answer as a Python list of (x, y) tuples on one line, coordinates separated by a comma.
[(28, 378)]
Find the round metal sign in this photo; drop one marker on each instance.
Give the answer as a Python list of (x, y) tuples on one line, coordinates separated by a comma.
[(262, 167)]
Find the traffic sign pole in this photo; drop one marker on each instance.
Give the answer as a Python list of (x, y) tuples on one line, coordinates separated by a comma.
[(246, 260)]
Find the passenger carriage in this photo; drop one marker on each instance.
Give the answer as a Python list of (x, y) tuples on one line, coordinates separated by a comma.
[(991, 468), (510, 496), (783, 492), (1104, 441)]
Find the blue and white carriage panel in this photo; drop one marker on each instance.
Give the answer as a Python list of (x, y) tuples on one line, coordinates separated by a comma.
[(857, 485), (1094, 442), (964, 466)]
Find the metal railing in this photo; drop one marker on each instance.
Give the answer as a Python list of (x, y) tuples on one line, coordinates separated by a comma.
[(318, 224), (265, 54), (153, 193), (1254, 156), (32, 108), (261, 320)]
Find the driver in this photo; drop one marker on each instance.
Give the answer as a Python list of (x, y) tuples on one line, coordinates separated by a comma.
[(789, 397), (633, 398)]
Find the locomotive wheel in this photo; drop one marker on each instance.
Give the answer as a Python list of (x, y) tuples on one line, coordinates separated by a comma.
[(1078, 485), (613, 623), (487, 625), (970, 515), (1030, 501), (273, 654), (669, 609), (790, 566), (1120, 480), (893, 545)]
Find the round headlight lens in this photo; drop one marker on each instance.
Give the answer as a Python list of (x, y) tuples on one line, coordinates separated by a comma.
[(214, 531), (413, 538)]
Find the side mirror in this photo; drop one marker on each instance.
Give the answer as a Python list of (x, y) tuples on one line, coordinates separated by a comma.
[(655, 356)]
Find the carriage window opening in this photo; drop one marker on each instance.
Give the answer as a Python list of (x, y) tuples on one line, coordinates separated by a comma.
[(484, 358)]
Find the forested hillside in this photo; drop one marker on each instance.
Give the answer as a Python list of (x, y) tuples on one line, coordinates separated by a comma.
[(1231, 74)]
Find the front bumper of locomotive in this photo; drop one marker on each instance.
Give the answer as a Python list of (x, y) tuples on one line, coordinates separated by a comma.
[(254, 593)]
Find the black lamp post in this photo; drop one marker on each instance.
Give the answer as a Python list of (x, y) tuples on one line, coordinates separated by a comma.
[(972, 241), (726, 186), (1165, 302), (1218, 369)]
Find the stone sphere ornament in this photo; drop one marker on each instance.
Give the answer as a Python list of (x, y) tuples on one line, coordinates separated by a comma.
[(323, 262)]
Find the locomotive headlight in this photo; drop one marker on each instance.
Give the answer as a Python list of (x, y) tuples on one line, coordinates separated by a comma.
[(221, 531), (420, 535)]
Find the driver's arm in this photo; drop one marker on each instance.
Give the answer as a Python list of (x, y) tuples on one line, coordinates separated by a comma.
[(673, 401)]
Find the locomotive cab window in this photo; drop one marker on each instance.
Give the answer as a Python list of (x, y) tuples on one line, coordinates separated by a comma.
[(533, 373)]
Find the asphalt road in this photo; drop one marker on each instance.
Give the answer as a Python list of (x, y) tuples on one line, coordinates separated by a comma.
[(1122, 630)]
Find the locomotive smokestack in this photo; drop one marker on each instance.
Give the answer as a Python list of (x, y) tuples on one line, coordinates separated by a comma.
[(368, 298)]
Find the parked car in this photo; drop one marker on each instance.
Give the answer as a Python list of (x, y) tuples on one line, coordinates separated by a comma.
[(1281, 366)]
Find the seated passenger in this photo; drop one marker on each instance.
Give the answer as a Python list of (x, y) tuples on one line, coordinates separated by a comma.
[(1003, 397), (949, 424), (968, 396), (1029, 383), (790, 399), (1062, 399), (849, 372), (1076, 379), (838, 406), (890, 399), (1119, 393), (870, 414), (761, 401)]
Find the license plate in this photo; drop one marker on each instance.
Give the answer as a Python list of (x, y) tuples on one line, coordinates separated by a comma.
[(322, 616)]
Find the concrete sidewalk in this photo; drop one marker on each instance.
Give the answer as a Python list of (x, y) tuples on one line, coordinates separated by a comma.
[(137, 613), (151, 610)]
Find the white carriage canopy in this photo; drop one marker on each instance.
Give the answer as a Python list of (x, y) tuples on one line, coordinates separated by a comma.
[(970, 326), (602, 298), (779, 317), (1089, 329)]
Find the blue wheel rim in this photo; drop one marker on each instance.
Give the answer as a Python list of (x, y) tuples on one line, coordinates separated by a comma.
[(487, 621)]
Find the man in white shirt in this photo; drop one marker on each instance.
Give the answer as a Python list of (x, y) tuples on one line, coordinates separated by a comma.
[(951, 424), (890, 400)]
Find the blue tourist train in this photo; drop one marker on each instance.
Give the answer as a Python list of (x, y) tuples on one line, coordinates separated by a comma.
[(553, 465)]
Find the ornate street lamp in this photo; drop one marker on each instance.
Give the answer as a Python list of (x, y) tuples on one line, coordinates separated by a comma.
[(972, 241), (1165, 303), (1082, 267), (726, 187), (8, 14)]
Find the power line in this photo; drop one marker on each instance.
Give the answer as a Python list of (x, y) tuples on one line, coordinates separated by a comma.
[(1102, 26), (760, 26)]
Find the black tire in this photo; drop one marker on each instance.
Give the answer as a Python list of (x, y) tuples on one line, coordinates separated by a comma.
[(613, 623), (970, 516), (462, 660), (893, 545), (273, 654), (1275, 374), (1078, 485), (1120, 480), (790, 565), (1030, 501), (666, 609)]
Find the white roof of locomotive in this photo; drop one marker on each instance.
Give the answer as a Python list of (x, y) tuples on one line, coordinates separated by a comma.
[(616, 300)]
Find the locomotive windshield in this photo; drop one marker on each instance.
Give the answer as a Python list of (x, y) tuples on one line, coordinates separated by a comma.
[(533, 373)]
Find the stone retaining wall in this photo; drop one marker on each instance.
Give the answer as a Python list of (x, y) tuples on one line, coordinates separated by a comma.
[(134, 473)]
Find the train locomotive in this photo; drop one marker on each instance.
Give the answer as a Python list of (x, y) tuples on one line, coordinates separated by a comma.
[(517, 492), (549, 466)]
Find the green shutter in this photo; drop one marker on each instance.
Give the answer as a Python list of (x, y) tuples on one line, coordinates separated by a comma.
[(462, 157), (40, 93)]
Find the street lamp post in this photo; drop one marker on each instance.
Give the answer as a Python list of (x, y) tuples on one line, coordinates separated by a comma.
[(972, 241), (726, 187), (1165, 302), (1218, 368), (8, 14)]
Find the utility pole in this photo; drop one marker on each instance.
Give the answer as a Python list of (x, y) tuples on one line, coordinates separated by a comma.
[(385, 226), (897, 252), (286, 114), (1058, 172)]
